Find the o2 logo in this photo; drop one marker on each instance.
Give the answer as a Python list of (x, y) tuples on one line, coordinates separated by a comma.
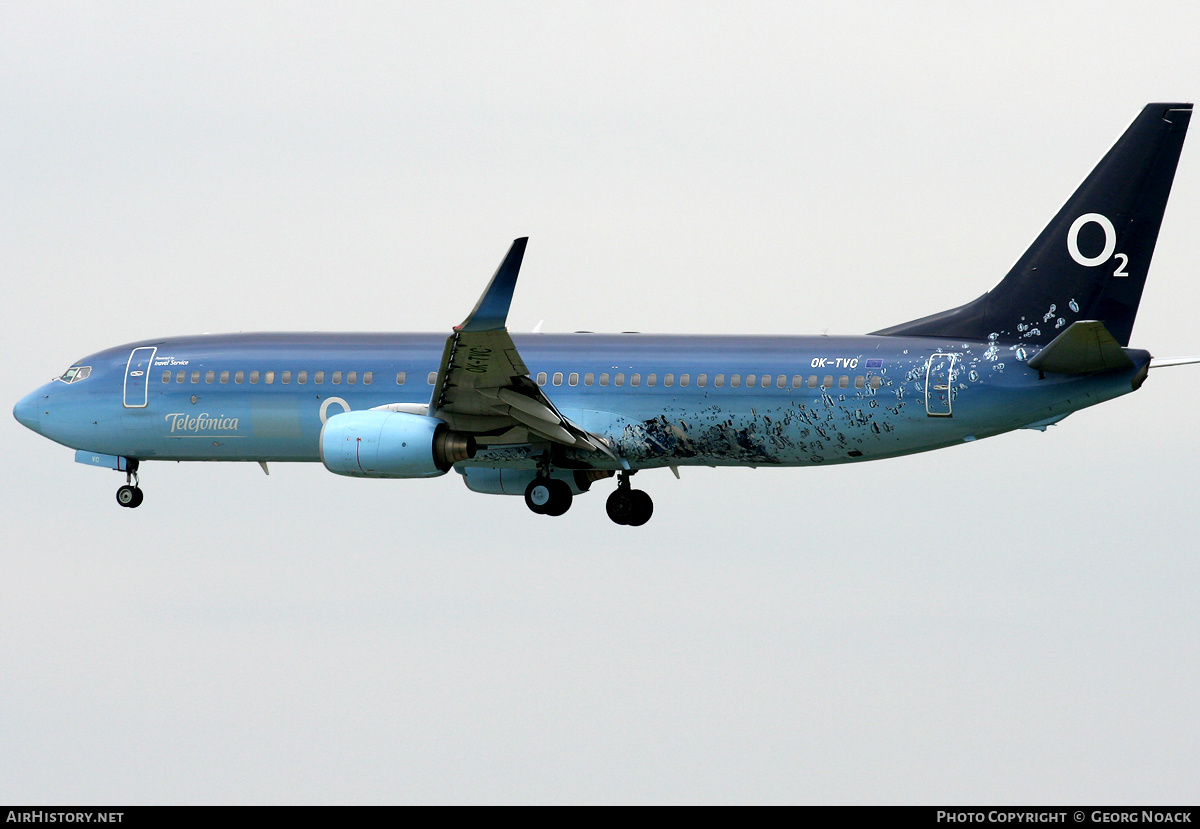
[(332, 401), (1110, 244)]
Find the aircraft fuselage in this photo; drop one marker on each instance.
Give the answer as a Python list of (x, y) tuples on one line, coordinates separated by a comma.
[(661, 400)]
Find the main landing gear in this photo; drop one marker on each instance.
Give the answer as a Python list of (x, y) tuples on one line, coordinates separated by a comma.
[(545, 495), (553, 496), (548, 496), (130, 495), (631, 507)]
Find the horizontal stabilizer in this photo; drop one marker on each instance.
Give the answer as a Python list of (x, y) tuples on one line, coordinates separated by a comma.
[(1164, 362), (1085, 347)]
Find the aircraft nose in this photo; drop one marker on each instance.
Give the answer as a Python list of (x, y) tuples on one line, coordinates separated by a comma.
[(28, 411)]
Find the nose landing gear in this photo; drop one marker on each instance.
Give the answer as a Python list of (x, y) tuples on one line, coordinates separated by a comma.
[(130, 495)]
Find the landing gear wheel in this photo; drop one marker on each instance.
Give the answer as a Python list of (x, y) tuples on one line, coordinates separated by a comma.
[(560, 497), (548, 496), (630, 507), (537, 495), (643, 508), (129, 496), (619, 506)]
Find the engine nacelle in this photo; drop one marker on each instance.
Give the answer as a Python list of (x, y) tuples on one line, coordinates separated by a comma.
[(493, 481), (375, 444)]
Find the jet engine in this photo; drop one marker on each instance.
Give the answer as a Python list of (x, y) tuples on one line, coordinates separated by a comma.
[(375, 444)]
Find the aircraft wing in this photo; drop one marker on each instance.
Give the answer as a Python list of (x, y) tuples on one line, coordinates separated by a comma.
[(483, 386)]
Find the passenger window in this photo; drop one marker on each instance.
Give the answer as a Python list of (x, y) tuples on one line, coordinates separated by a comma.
[(167, 376), (210, 376), (179, 376), (876, 382), (701, 380), (668, 379), (735, 380), (573, 379), (319, 378), (433, 378), (589, 379), (337, 378), (254, 377), (719, 380), (352, 377), (684, 380), (635, 380), (766, 381), (651, 379), (604, 379), (195, 377), (558, 378), (240, 377), (843, 382), (780, 381), (401, 376), (224, 376), (285, 377), (860, 382), (812, 381), (751, 380), (797, 381), (828, 381), (541, 379), (619, 380), (302, 377), (368, 377), (269, 377)]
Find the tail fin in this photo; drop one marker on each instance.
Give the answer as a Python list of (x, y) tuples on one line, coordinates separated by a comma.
[(1090, 262)]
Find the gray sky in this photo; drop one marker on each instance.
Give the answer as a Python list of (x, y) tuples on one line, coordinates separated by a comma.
[(1012, 621)]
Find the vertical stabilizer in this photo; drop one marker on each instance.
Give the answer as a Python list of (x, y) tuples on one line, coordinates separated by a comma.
[(1091, 261)]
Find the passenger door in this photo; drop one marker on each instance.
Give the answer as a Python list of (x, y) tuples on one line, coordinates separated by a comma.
[(137, 377), (939, 385)]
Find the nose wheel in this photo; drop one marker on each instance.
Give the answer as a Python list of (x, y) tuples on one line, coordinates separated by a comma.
[(631, 507), (130, 495)]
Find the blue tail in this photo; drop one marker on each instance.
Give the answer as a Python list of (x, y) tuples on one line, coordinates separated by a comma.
[(1091, 261)]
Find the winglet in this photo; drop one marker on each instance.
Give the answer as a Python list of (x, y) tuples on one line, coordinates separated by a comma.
[(491, 312)]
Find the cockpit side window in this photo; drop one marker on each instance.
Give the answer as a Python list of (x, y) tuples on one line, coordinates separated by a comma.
[(76, 373)]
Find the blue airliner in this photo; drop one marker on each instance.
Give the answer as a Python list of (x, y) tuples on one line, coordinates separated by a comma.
[(548, 416)]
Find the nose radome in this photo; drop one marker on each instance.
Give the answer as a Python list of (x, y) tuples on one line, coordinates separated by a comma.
[(28, 411)]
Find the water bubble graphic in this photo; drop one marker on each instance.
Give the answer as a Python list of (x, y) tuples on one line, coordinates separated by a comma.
[(1074, 306)]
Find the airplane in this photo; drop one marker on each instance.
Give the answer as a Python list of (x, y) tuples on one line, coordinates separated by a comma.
[(547, 416)]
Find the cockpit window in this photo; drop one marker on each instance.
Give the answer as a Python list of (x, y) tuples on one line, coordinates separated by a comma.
[(76, 373)]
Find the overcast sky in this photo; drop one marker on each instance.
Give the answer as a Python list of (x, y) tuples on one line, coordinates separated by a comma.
[(1012, 621)]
